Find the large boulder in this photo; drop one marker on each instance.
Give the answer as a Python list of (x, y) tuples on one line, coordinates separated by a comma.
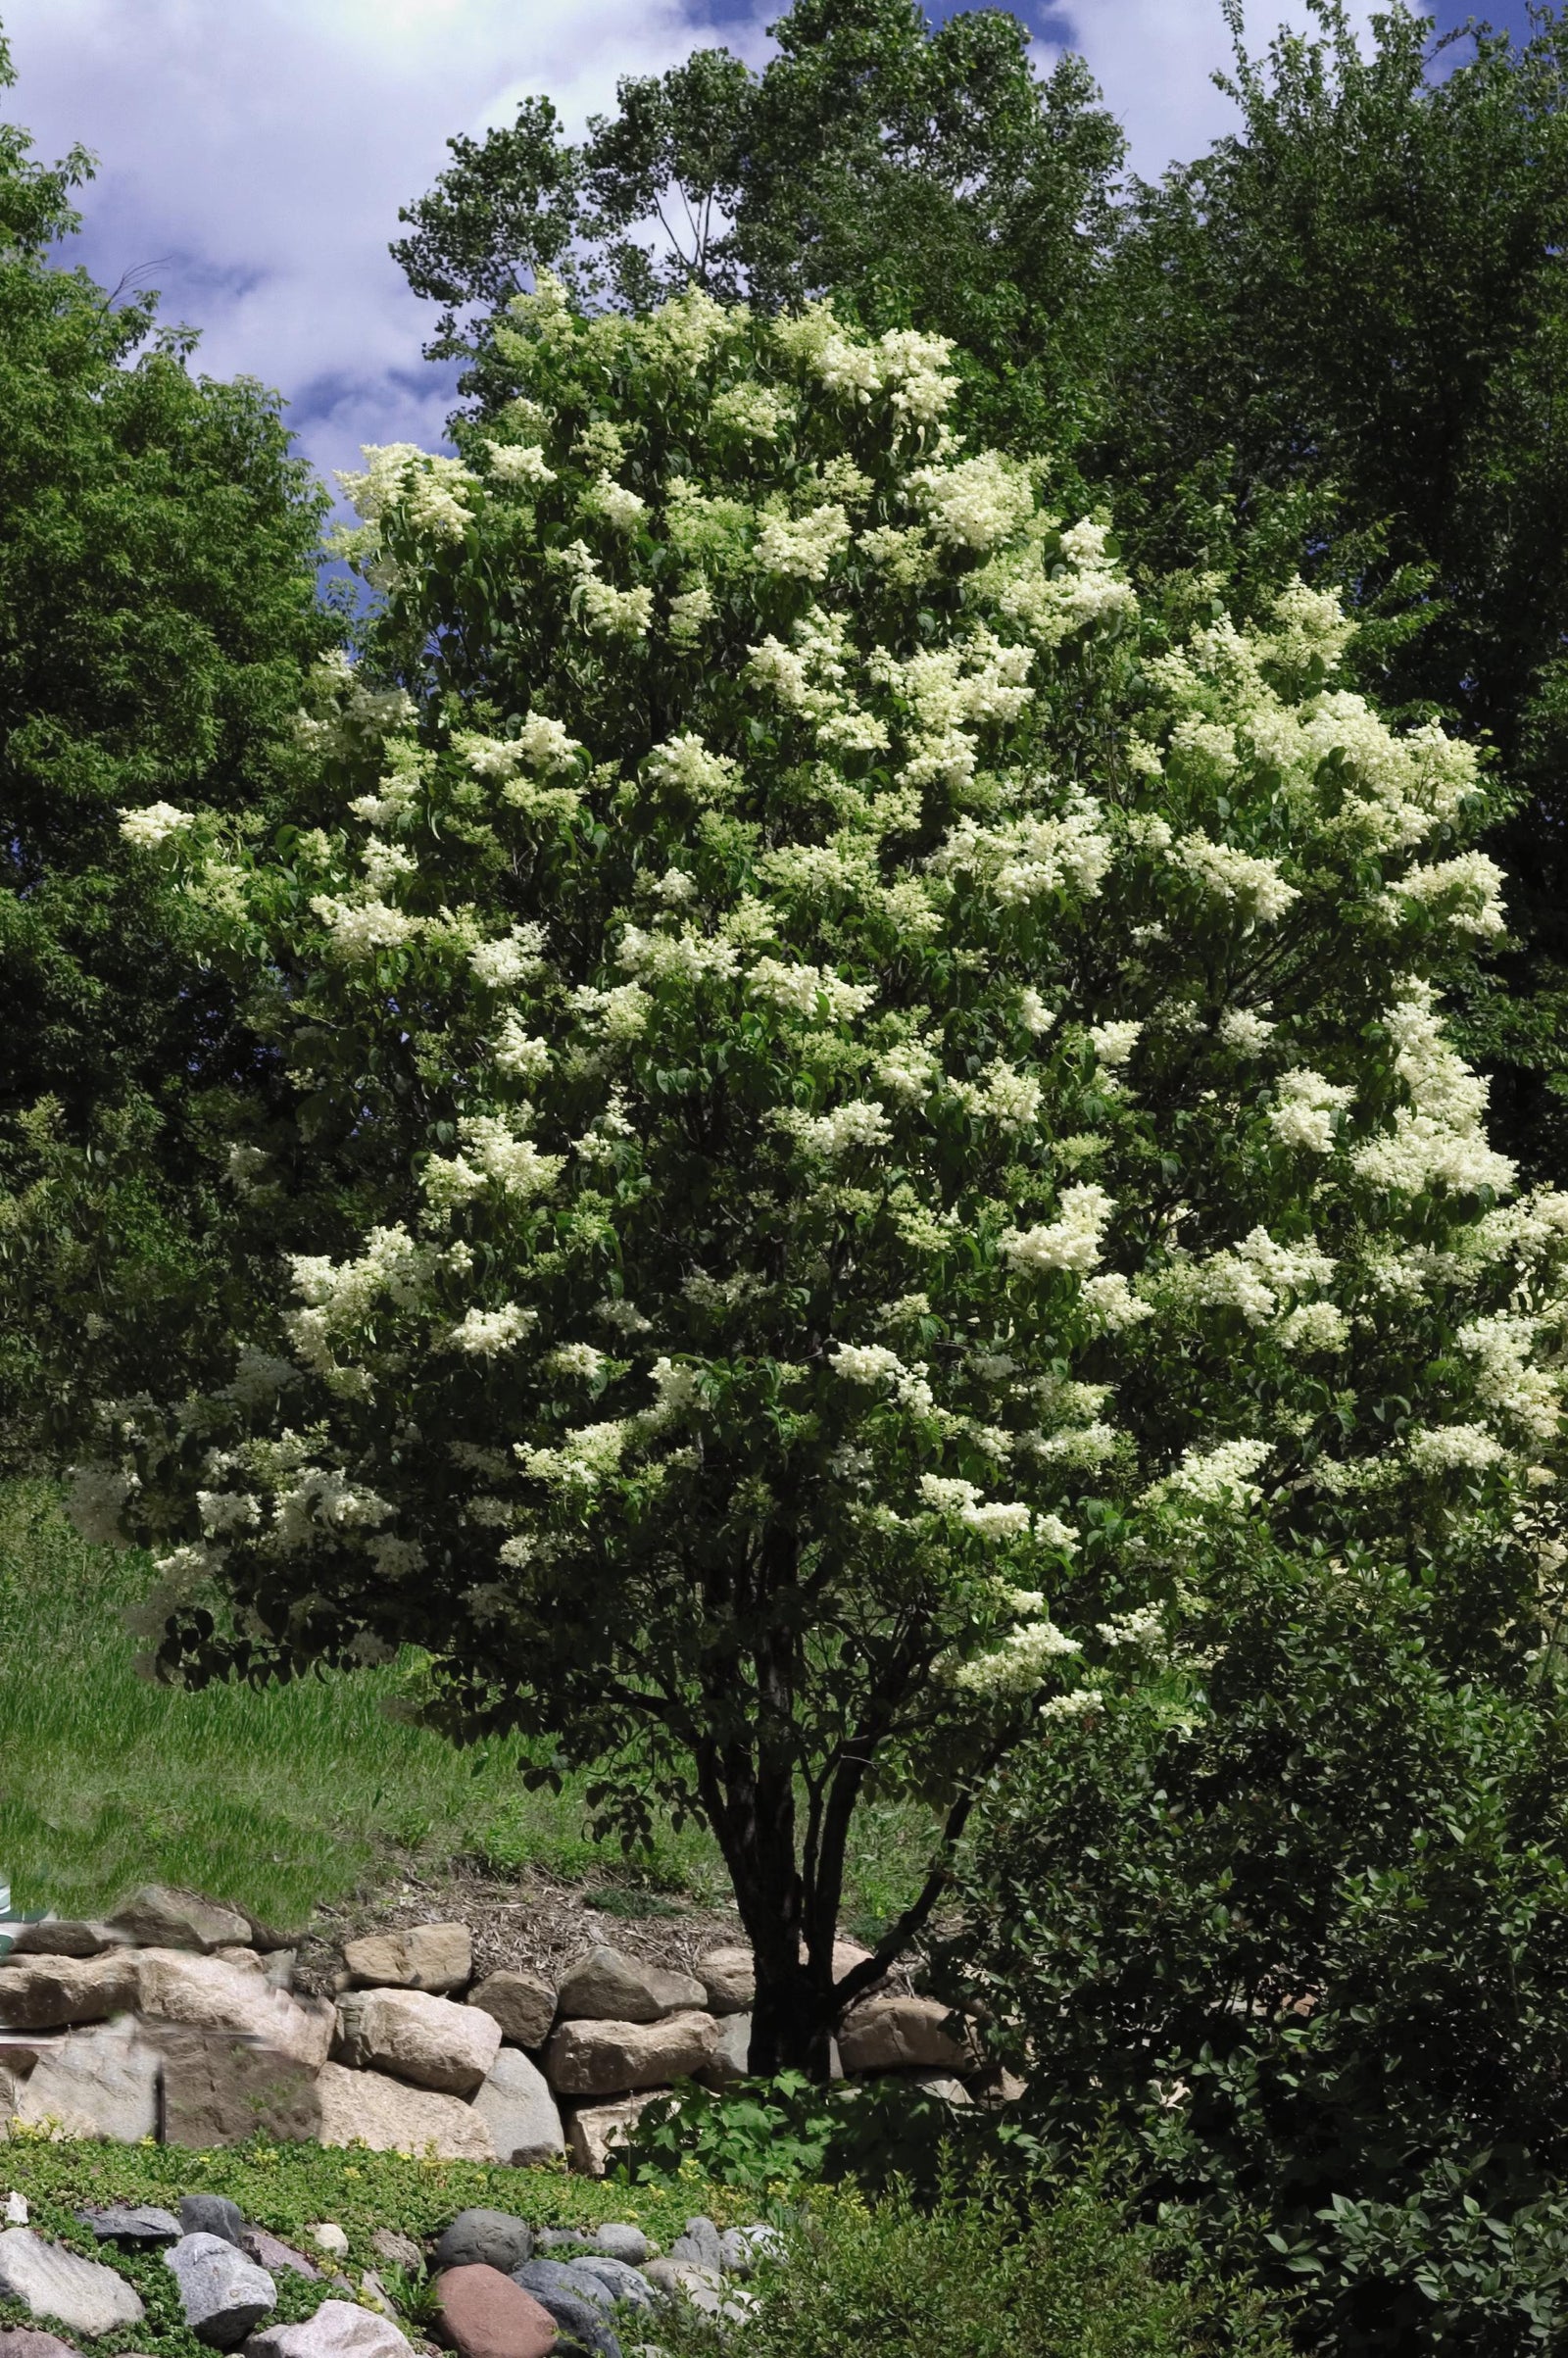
[(603, 1985), (601, 2058), (424, 1957), (43, 1993), (338, 2330), (223, 2295), (516, 2106), (901, 2034), (577, 2303), (521, 2003), (594, 2130), (50, 2282), (101, 2081), (160, 1917), (729, 1978), (427, 2039), (209, 1994), (221, 2087), (482, 2314), (621, 2280), (25, 2342), (390, 2117)]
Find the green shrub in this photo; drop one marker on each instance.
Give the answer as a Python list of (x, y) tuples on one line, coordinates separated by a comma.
[(972, 2274), (1304, 1935)]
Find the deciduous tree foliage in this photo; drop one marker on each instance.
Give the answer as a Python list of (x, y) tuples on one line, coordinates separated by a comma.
[(157, 611), (927, 177), (1359, 296), (856, 1096)]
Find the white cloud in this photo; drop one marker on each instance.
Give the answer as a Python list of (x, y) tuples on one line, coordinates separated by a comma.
[(253, 156), (253, 159)]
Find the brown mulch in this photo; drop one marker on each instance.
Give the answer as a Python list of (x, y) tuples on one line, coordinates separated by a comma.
[(533, 1920)]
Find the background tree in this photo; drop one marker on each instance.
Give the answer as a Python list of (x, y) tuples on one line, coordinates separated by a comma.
[(922, 176), (1358, 297), (156, 609), (853, 1103)]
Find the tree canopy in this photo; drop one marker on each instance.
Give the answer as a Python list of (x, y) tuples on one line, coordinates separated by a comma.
[(157, 612), (858, 1101)]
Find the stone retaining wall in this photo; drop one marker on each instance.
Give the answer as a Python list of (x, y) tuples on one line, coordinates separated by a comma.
[(178, 2018)]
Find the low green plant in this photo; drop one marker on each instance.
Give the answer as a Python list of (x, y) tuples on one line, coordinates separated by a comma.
[(978, 2273)]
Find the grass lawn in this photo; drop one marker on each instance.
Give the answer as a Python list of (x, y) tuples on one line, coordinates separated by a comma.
[(281, 1797)]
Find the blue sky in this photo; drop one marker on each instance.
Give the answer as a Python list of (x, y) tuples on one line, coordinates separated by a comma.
[(253, 153)]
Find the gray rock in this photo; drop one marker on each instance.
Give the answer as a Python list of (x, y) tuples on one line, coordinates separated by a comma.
[(520, 2003), (599, 2058), (212, 2215), (100, 2082), (742, 2246), (517, 2106), (338, 2330), (223, 2295), (623, 2282), (560, 2239), (22, 2341), (607, 1987), (731, 2058), (83, 2295), (277, 1968), (576, 2310), (160, 1917), (544, 2277), (135, 2223), (401, 2250), (682, 2279), (700, 2245), (486, 2239), (939, 2084), (623, 2242), (275, 2257)]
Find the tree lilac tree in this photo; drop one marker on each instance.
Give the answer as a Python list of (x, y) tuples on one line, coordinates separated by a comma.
[(858, 1105)]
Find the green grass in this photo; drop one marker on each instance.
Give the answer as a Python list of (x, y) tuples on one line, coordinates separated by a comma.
[(283, 1798)]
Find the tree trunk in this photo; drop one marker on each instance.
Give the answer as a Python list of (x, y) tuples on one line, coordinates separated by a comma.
[(793, 2022)]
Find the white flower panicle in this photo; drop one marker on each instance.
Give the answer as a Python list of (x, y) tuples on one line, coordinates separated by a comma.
[(1305, 1108), (151, 827), (1071, 1242)]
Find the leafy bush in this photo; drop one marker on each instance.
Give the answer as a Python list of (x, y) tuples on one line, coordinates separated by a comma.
[(1306, 1934), (973, 2274)]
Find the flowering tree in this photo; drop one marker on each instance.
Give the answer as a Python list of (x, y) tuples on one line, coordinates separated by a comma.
[(857, 1105)]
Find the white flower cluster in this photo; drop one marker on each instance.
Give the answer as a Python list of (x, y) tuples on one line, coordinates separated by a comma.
[(802, 548), (1022, 860), (151, 827), (1253, 884), (975, 503), (1072, 1242), (812, 992), (1305, 1108), (429, 490)]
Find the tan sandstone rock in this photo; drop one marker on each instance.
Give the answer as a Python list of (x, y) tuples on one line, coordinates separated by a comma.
[(601, 2058), (393, 2118), (603, 1985), (221, 2087), (593, 2131), (424, 1957), (417, 2037), (899, 2033), (160, 1917), (211, 1995), (521, 2003), (40, 1993), (100, 2082)]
